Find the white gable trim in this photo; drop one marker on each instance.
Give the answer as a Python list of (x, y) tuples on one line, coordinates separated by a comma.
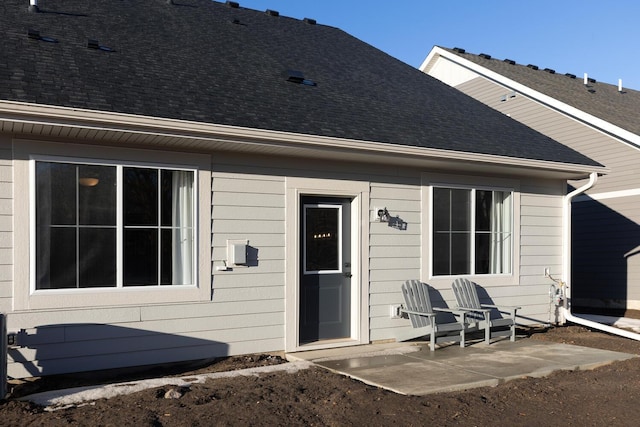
[(602, 125)]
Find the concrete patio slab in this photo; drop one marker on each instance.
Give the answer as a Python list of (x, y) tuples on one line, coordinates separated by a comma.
[(410, 368)]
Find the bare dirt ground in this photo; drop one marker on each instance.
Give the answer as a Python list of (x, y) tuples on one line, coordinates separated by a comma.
[(605, 396)]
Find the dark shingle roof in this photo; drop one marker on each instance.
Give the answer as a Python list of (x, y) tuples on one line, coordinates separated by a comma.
[(205, 61), (599, 99)]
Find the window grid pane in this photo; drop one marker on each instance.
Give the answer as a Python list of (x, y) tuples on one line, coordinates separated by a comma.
[(77, 209), (471, 231)]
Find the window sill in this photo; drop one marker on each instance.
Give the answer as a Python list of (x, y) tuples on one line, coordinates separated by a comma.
[(83, 298), (444, 282)]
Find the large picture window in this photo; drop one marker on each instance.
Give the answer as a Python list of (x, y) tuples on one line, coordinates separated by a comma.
[(472, 231), (110, 226)]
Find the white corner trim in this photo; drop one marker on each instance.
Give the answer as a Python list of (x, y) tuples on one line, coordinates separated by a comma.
[(578, 114)]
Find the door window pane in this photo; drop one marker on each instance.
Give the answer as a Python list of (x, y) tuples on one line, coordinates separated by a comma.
[(322, 240)]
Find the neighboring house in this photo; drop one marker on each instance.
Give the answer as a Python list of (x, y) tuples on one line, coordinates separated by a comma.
[(601, 121), (192, 179)]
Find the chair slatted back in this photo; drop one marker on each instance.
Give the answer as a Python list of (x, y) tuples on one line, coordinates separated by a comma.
[(416, 298), (466, 294)]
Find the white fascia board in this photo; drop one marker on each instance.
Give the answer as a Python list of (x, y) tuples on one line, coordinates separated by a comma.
[(576, 113), (235, 135)]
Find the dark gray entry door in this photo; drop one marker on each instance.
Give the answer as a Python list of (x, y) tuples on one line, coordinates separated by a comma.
[(325, 268)]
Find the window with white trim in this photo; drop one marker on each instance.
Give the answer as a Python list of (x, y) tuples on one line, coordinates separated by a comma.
[(472, 231), (113, 225)]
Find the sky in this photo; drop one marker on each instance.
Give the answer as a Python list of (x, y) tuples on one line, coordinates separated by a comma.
[(601, 38)]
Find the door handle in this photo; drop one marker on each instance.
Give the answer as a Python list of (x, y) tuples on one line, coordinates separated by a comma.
[(347, 275)]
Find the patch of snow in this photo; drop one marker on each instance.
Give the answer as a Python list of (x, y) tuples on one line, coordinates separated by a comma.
[(58, 399)]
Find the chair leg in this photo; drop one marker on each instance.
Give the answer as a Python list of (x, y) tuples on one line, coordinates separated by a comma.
[(487, 328), (432, 341)]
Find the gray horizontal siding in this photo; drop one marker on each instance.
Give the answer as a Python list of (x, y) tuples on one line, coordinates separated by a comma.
[(247, 309), (394, 255), (620, 158)]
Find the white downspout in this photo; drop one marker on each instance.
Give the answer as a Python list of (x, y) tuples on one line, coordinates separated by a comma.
[(566, 267)]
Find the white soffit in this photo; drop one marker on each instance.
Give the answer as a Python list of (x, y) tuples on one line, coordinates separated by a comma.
[(60, 124)]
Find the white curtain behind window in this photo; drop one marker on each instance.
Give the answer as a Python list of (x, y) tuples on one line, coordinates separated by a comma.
[(501, 233), (182, 224)]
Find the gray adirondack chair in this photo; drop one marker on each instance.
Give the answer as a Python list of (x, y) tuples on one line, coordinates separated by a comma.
[(423, 317), (467, 299)]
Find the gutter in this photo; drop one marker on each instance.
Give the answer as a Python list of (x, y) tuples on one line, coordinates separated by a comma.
[(205, 133), (566, 260)]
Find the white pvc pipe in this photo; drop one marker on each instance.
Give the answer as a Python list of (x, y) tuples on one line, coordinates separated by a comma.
[(566, 261)]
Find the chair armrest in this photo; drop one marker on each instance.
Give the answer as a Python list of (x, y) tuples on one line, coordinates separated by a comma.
[(418, 313), (452, 311), (476, 310), (503, 308)]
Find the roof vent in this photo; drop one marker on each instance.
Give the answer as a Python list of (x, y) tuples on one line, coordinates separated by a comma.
[(550, 71), (571, 76), (233, 4), (33, 6), (458, 49), (94, 44), (310, 21), (485, 56), (272, 12), (510, 61), (35, 35), (295, 76), (533, 67)]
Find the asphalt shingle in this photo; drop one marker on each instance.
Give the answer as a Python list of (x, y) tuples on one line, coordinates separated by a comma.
[(205, 61), (599, 99)]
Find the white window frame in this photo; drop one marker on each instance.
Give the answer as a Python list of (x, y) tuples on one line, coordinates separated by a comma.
[(473, 231), (120, 227), (434, 179), (27, 297)]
